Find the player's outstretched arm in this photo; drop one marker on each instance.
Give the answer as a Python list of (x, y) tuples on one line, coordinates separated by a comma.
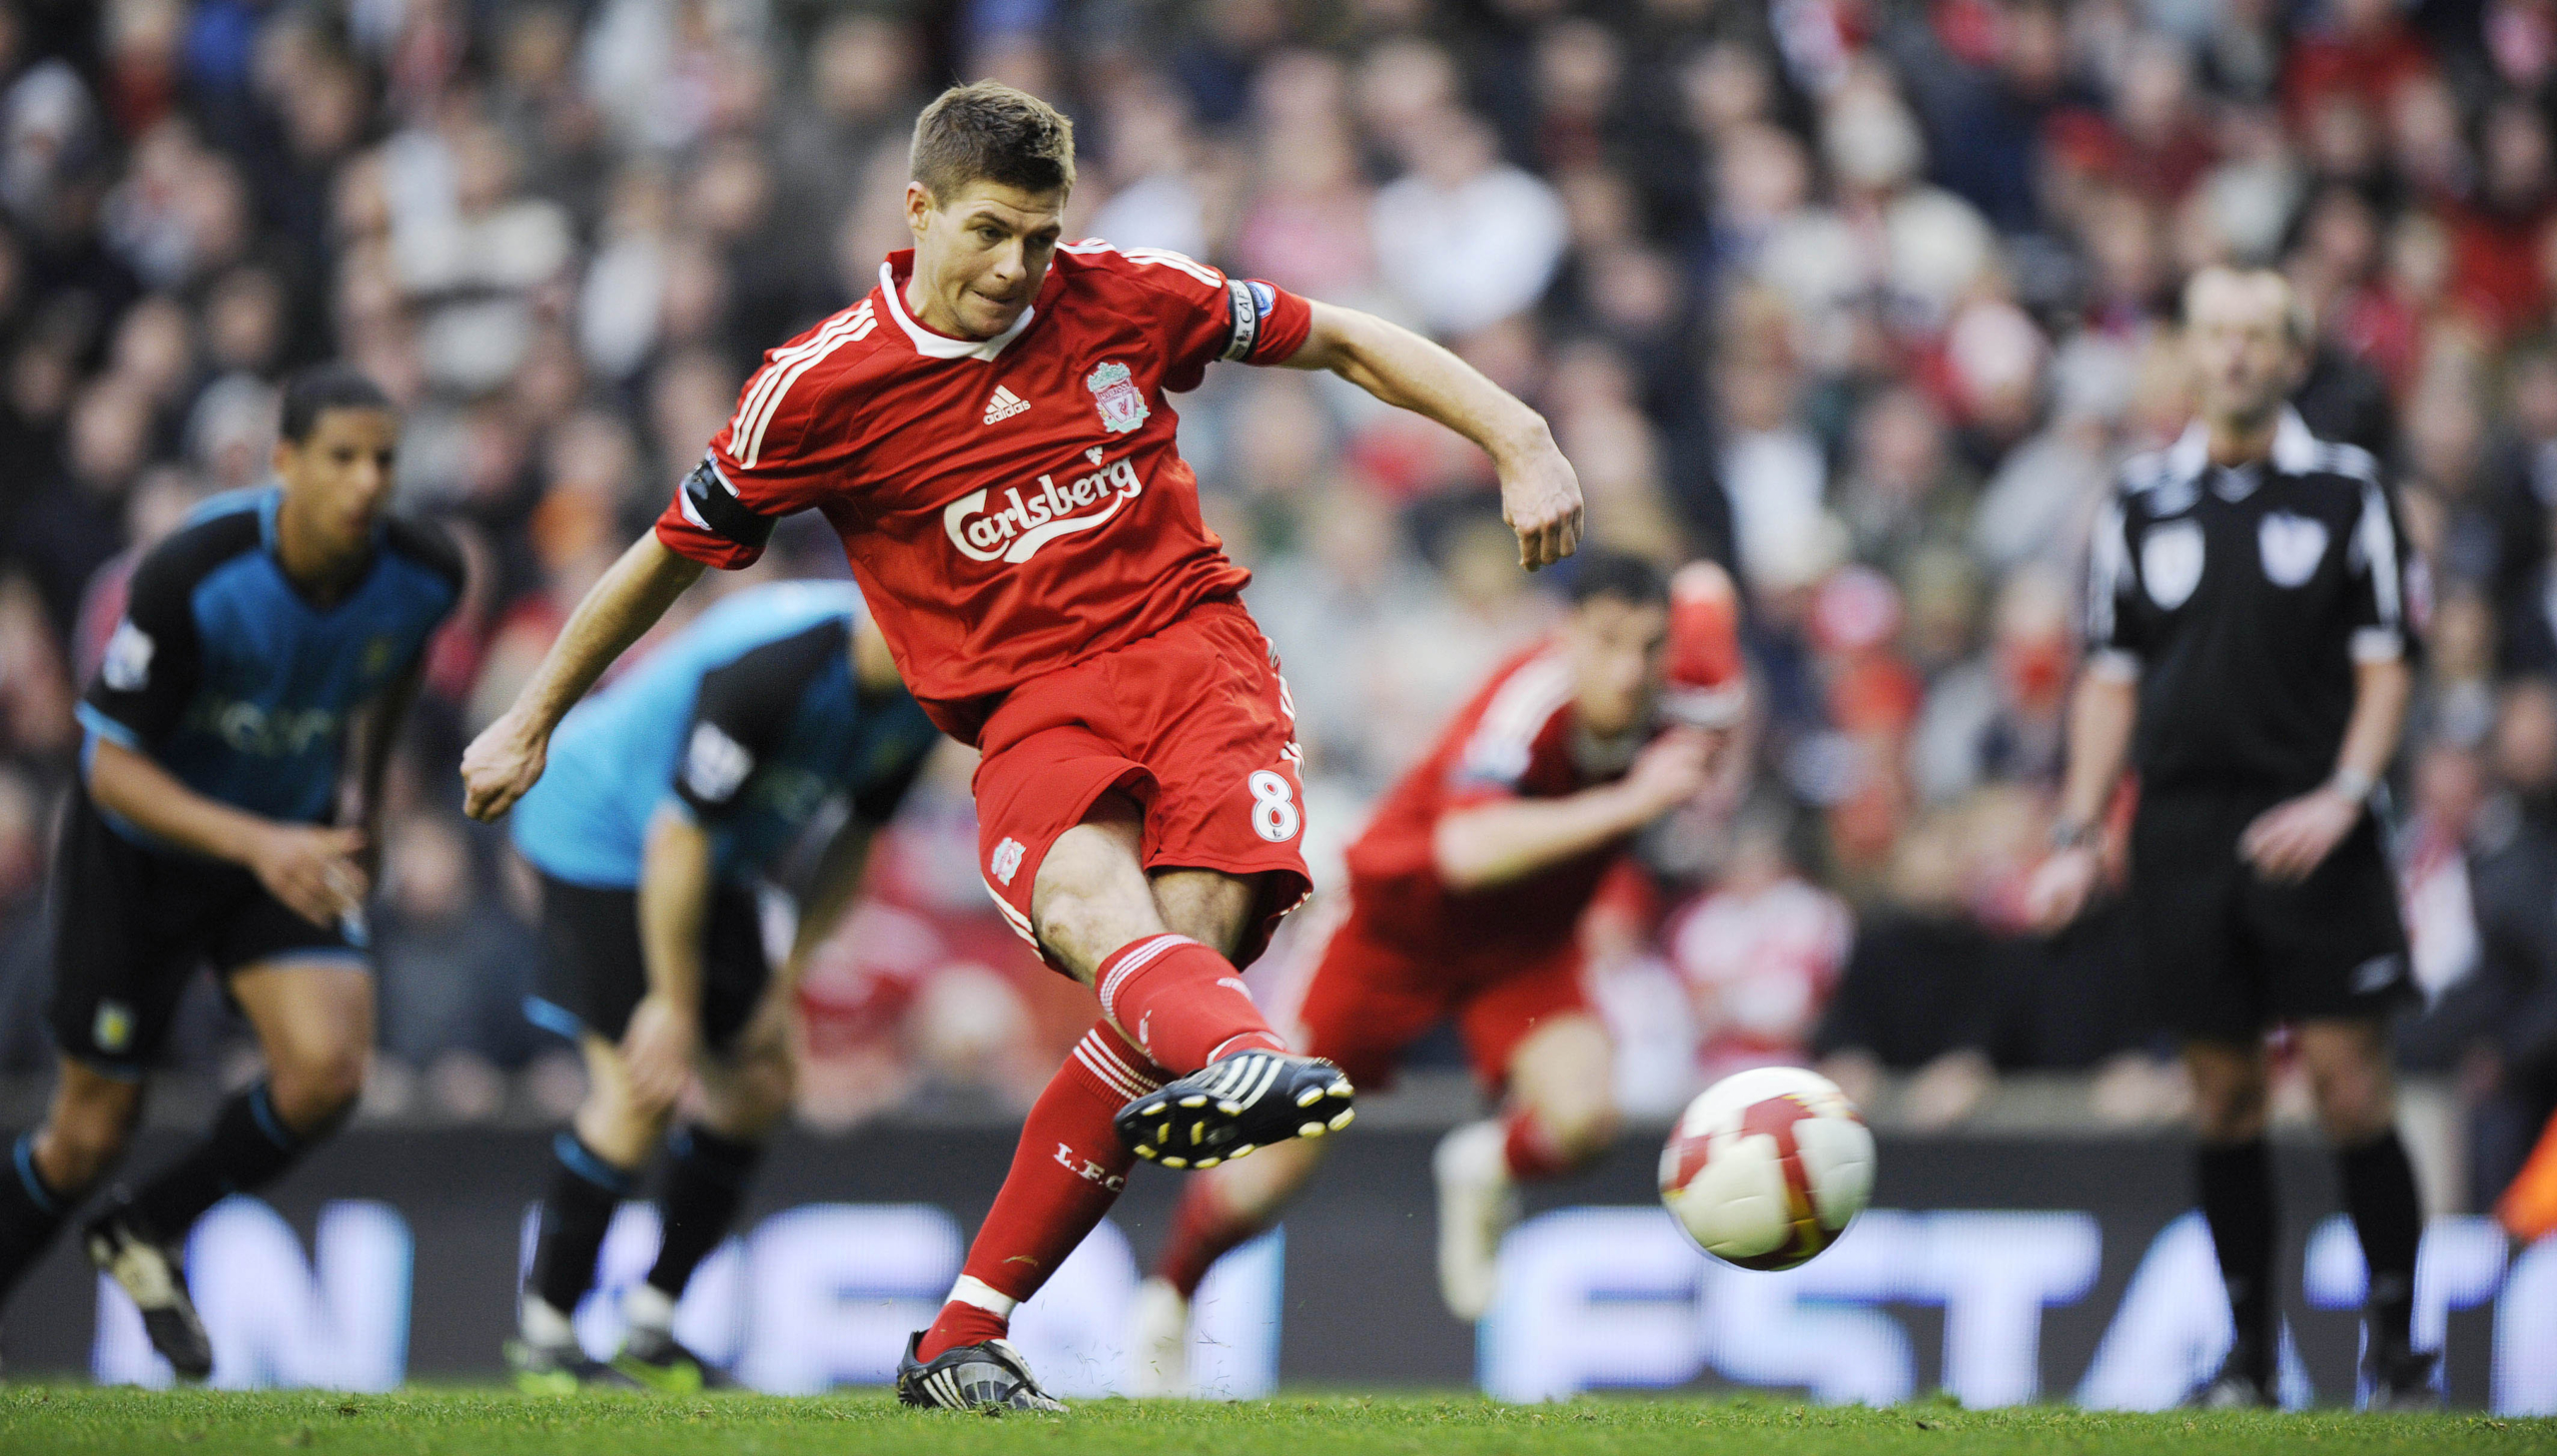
[(1540, 493), (507, 758), (310, 868), (1509, 839)]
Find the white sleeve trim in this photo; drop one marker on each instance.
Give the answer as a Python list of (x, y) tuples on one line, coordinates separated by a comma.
[(2375, 543), (2108, 567), (2379, 644), (2113, 664)]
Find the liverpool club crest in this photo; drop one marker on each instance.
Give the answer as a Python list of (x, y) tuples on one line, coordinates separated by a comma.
[(1123, 405)]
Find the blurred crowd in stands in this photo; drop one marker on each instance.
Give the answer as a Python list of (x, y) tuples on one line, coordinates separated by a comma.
[(1864, 297)]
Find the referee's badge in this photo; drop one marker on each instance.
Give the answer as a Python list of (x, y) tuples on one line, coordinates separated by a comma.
[(2170, 562), (2292, 546)]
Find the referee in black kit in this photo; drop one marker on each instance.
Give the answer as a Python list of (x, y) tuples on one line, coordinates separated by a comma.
[(2249, 653)]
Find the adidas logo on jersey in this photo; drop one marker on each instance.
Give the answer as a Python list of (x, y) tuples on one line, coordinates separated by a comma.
[(1004, 404)]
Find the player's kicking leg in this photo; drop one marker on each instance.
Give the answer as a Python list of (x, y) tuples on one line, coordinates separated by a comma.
[(1156, 948), (1560, 1114), (313, 1019), (1173, 1005), (746, 1094)]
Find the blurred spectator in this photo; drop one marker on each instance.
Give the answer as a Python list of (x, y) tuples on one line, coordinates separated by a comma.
[(2483, 932), (1924, 989), (1462, 238), (2001, 717), (1760, 955)]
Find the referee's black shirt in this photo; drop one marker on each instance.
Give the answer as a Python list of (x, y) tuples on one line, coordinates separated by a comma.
[(2241, 599)]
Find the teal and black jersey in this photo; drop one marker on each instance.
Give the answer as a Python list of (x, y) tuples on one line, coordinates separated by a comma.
[(749, 720), (229, 678)]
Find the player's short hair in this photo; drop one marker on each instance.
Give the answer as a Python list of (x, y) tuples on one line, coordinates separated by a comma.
[(2298, 323), (316, 391), (989, 132), (1618, 576)]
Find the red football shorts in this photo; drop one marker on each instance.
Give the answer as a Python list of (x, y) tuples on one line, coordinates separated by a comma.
[(1194, 724), (1368, 999)]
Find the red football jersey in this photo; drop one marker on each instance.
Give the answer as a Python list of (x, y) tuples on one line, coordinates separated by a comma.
[(1516, 739), (1011, 504)]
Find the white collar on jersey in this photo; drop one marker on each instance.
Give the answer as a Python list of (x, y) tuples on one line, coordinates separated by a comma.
[(2294, 448), (941, 346)]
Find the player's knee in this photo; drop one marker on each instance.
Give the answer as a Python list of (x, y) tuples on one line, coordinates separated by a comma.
[(74, 1151), (1087, 915), (1091, 896), (2354, 1103), (760, 1096), (316, 1086), (1582, 1133), (2228, 1111)]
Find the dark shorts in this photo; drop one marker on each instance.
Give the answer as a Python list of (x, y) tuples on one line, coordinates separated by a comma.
[(2228, 953), (131, 925), (593, 972)]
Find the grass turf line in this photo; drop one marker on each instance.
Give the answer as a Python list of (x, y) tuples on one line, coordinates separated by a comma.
[(39, 1420)]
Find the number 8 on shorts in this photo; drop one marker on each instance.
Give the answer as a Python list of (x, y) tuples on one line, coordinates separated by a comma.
[(1274, 807)]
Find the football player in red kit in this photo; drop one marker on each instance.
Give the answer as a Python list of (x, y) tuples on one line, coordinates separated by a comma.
[(1465, 898), (991, 432)]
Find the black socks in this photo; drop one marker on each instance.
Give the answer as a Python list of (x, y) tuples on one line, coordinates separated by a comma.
[(247, 1148), (31, 1212), (706, 1178), (584, 1190), (2380, 1192), (2236, 1184), (705, 1182)]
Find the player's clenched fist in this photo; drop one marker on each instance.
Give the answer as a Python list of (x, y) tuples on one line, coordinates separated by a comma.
[(499, 767), (1540, 500)]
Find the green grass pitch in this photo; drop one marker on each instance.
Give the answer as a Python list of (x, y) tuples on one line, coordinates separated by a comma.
[(67, 1418)]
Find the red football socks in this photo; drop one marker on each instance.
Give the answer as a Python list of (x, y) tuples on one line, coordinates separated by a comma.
[(1530, 1148), (1180, 1003), (1204, 1231), (1066, 1173)]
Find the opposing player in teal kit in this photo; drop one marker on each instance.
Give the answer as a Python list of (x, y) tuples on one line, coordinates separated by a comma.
[(666, 796), (237, 740)]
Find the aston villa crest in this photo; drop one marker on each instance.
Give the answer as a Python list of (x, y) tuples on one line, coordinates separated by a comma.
[(1123, 405)]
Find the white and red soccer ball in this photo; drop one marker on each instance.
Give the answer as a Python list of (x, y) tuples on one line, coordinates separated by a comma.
[(1767, 1168)]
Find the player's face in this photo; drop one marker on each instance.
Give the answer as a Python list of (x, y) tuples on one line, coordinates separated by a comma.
[(980, 257), (338, 480), (1616, 652), (2238, 333)]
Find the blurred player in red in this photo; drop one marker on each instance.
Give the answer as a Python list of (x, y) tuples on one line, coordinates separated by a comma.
[(991, 432), (1465, 898)]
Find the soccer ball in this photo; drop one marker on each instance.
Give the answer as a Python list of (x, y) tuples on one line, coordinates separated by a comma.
[(1767, 1168)]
